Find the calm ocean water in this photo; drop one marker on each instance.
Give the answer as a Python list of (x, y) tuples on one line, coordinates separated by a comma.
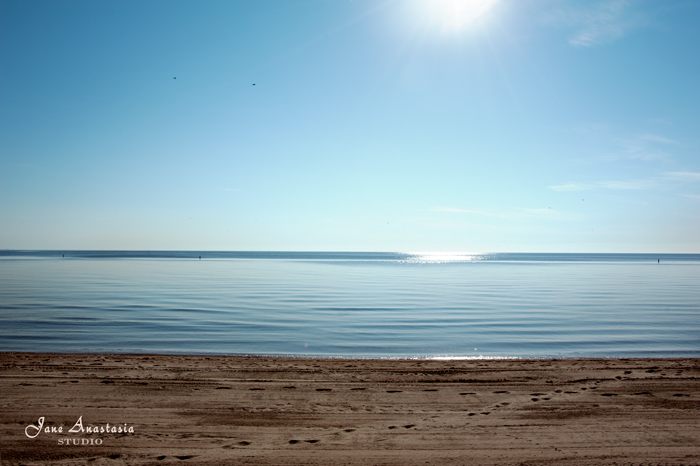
[(351, 304)]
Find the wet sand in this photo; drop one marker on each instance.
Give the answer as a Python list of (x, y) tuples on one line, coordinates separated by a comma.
[(256, 410)]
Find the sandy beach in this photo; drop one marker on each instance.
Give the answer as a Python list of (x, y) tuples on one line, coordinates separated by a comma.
[(151, 409)]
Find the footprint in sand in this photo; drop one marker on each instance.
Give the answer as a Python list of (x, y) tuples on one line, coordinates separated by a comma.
[(256, 389), (324, 389), (357, 389), (243, 443), (394, 391), (311, 441), (293, 442), (349, 430), (408, 426)]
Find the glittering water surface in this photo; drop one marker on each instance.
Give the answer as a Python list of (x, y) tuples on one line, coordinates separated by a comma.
[(351, 304)]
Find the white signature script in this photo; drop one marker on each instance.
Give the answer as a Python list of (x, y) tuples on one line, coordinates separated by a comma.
[(32, 431)]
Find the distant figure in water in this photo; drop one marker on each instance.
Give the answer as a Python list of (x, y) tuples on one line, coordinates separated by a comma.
[(658, 261), (200, 257)]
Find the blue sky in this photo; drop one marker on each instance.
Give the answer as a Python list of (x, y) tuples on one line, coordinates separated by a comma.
[(412, 125)]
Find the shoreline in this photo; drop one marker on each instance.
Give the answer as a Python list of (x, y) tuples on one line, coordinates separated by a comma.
[(358, 358), (211, 409)]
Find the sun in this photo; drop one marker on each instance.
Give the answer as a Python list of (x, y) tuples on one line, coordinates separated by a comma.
[(455, 15)]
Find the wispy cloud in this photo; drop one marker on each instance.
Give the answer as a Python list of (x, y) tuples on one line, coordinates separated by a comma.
[(666, 179), (615, 185), (613, 146), (549, 213), (572, 187), (644, 147), (657, 138), (543, 212), (450, 209), (468, 211), (627, 185), (686, 176), (601, 23), (521, 213)]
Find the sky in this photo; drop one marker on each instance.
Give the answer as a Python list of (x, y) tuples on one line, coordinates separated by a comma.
[(350, 125)]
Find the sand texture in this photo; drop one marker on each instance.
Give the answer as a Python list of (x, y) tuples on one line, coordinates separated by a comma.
[(255, 410)]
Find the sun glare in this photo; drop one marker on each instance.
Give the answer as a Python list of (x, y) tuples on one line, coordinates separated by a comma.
[(455, 15), (447, 256)]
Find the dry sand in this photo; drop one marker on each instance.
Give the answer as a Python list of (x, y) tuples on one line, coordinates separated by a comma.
[(240, 410)]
